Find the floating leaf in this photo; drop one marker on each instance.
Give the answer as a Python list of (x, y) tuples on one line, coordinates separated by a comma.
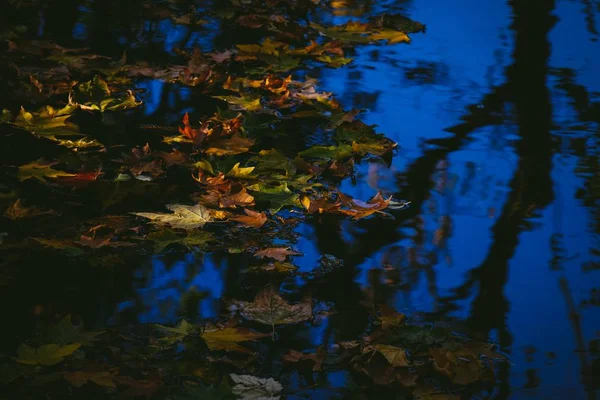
[(238, 172), (166, 237), (48, 354), (229, 338), (276, 197), (249, 387), (253, 219), (276, 253), (100, 378), (340, 152), (183, 217), (396, 356), (40, 171), (270, 308), (65, 332), (17, 211), (63, 245)]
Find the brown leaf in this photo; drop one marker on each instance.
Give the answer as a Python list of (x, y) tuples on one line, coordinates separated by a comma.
[(389, 317), (315, 358), (359, 209), (253, 219), (270, 308), (241, 198), (276, 253), (17, 211), (235, 144), (175, 157)]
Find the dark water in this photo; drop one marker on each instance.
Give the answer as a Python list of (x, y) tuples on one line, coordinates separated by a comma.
[(496, 109)]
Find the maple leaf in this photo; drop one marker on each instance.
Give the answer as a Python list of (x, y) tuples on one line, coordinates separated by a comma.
[(47, 354), (270, 308), (40, 170), (228, 338), (183, 217), (166, 237), (253, 219), (196, 136), (17, 211), (276, 253), (359, 209)]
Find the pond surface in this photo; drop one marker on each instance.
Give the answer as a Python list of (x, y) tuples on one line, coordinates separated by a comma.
[(496, 112)]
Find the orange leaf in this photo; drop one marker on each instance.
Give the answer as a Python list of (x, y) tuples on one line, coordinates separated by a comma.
[(253, 219)]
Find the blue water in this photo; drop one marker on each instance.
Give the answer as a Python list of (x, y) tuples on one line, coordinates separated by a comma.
[(454, 249)]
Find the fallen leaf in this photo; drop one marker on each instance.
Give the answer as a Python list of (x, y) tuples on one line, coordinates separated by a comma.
[(249, 387), (40, 170), (17, 211), (229, 338), (396, 356), (270, 308), (253, 219), (183, 217), (47, 354), (276, 253)]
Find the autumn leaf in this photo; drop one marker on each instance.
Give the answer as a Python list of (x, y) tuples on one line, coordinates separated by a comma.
[(316, 359), (253, 219), (280, 267), (235, 144), (47, 354), (225, 338), (270, 308), (389, 317), (239, 172), (276, 253), (165, 237), (40, 170), (396, 356), (100, 378), (276, 197), (249, 387), (48, 122), (63, 245), (183, 217), (340, 152), (359, 209), (17, 211), (228, 338), (65, 332)]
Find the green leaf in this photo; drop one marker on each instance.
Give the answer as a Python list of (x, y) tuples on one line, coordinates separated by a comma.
[(166, 237), (65, 332), (268, 160), (48, 354), (238, 172), (276, 197), (338, 153), (40, 171)]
